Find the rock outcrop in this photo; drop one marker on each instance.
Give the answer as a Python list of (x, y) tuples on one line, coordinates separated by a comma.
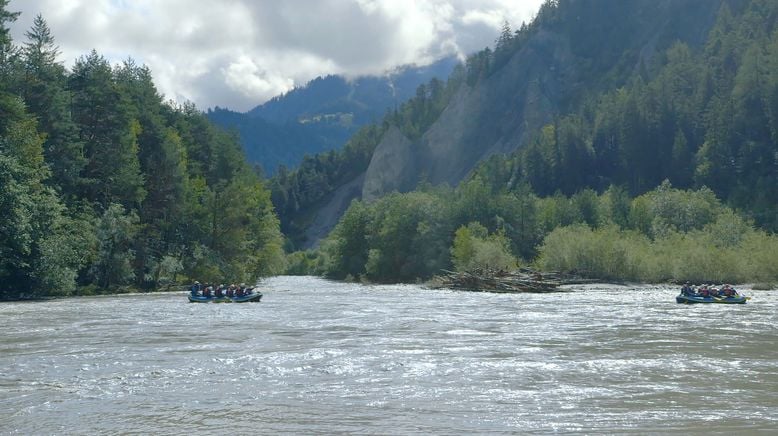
[(392, 167), (495, 116)]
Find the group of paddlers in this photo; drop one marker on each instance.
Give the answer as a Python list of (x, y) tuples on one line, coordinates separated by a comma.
[(706, 291), (219, 291)]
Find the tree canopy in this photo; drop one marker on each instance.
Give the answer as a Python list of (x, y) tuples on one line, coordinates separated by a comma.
[(104, 186)]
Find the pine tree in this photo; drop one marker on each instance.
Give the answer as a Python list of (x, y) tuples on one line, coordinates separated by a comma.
[(8, 51), (109, 132), (43, 89)]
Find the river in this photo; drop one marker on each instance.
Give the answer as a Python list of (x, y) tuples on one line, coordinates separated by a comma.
[(320, 357)]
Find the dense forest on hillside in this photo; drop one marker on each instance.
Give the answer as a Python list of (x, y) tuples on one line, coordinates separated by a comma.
[(698, 118), (662, 169), (104, 186)]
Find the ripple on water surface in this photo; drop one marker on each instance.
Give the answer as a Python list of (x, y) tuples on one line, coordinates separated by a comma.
[(319, 356)]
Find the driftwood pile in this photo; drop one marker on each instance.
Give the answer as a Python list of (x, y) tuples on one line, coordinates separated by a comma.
[(501, 281)]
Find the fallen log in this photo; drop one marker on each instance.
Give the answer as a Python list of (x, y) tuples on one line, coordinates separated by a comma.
[(501, 281)]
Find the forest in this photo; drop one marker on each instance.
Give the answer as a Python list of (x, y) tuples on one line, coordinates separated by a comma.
[(104, 187), (660, 170), (664, 235), (671, 175)]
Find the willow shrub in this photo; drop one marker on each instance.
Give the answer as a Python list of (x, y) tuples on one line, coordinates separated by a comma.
[(699, 255), (693, 256), (474, 248), (605, 253), (759, 256)]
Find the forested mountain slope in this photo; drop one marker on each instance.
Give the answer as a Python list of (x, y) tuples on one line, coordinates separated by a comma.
[(323, 114), (642, 140), (557, 78)]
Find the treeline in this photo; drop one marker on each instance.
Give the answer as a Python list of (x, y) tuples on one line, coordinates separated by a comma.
[(697, 117), (104, 186), (665, 234)]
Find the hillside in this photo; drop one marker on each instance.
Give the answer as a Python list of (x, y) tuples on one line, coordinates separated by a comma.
[(321, 115), (616, 140), (575, 55)]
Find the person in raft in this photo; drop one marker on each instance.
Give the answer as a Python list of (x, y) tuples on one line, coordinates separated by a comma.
[(728, 291), (195, 289), (687, 289)]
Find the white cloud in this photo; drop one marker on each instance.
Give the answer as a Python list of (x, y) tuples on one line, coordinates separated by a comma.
[(239, 53), (249, 78)]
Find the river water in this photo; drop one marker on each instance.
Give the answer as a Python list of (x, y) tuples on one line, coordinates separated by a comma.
[(319, 357)]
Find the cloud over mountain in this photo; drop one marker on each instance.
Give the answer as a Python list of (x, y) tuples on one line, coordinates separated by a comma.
[(238, 53)]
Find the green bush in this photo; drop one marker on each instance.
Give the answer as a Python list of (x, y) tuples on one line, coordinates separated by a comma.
[(702, 256), (474, 248)]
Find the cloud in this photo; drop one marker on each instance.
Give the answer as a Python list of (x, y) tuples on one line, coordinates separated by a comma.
[(239, 53)]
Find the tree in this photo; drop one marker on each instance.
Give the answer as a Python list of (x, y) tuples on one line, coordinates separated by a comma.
[(43, 89), (348, 250), (115, 232), (110, 134), (503, 47), (8, 51), (474, 248), (38, 243)]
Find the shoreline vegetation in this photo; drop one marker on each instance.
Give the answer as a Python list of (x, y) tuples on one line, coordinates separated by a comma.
[(667, 235)]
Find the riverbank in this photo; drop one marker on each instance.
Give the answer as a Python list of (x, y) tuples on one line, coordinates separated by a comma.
[(92, 291)]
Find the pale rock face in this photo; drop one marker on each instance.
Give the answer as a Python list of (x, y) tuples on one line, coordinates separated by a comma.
[(392, 167), (478, 122), (328, 215)]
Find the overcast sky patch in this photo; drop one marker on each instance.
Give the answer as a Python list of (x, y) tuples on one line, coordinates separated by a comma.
[(239, 53)]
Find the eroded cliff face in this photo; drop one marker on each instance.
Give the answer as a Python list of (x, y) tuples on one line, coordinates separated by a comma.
[(328, 215), (392, 167), (495, 116), (498, 114)]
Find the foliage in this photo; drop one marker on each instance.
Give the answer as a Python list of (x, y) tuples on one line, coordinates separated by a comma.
[(605, 253), (103, 185), (115, 231), (473, 248), (298, 193), (697, 115)]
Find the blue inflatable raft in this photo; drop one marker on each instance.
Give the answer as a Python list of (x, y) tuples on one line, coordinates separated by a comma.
[(692, 299)]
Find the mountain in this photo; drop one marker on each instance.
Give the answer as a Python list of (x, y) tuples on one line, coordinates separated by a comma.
[(323, 114), (591, 94), (579, 46)]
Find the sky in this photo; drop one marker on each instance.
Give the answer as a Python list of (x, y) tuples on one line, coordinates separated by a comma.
[(239, 53)]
